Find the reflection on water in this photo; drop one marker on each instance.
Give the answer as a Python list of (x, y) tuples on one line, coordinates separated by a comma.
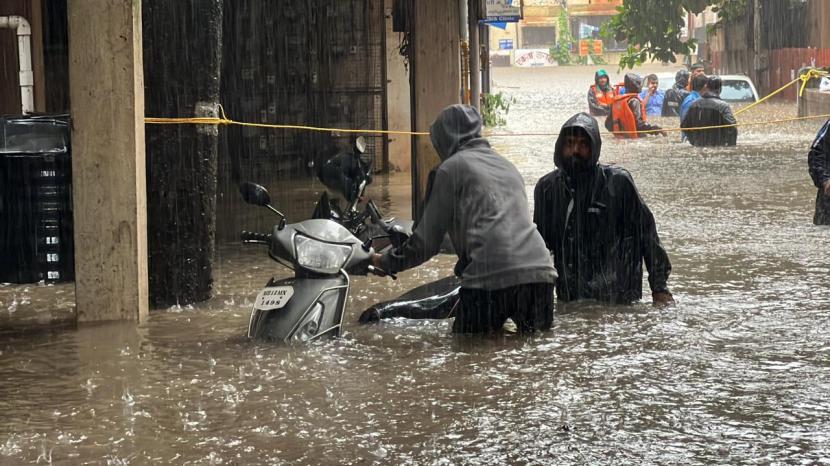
[(738, 372)]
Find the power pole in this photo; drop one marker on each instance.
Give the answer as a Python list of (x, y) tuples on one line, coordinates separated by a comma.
[(475, 54)]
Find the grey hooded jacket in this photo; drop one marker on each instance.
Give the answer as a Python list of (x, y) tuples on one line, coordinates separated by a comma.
[(478, 197)]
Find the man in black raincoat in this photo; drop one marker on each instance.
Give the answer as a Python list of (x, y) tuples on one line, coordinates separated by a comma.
[(478, 197), (674, 96), (596, 224), (818, 161), (710, 110)]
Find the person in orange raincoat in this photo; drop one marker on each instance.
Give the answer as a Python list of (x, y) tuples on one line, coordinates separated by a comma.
[(628, 117), (601, 95)]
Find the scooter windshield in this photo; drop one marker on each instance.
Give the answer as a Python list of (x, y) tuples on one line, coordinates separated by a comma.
[(326, 230)]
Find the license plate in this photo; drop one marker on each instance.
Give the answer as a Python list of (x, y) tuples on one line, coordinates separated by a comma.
[(273, 297)]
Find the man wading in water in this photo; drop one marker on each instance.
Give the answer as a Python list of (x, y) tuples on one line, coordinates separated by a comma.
[(596, 224), (478, 197)]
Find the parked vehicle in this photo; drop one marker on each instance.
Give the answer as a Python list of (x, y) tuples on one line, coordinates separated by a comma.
[(737, 88), (311, 304), (324, 250)]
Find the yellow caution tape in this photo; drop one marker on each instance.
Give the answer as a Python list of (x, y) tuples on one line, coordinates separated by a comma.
[(754, 123), (804, 78), (224, 120)]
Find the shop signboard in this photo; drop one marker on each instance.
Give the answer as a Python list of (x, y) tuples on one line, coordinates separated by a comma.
[(533, 57), (503, 11)]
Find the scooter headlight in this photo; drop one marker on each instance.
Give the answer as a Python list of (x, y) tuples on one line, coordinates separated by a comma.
[(321, 257)]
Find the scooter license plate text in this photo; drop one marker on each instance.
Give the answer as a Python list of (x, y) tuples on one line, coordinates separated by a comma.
[(273, 297)]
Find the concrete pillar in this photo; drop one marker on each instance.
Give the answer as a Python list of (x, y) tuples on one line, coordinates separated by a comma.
[(435, 74), (183, 50), (397, 98), (108, 172)]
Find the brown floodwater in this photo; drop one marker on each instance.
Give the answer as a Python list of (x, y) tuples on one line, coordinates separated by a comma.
[(737, 372)]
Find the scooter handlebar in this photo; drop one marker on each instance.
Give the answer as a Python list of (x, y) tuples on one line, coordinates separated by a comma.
[(381, 273), (252, 237)]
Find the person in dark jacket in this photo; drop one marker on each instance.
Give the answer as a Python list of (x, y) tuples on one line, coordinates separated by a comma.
[(601, 94), (596, 224), (698, 69), (710, 110), (628, 117), (698, 85), (674, 96), (818, 161), (478, 197)]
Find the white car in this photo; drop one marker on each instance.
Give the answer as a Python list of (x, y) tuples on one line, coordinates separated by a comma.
[(737, 88)]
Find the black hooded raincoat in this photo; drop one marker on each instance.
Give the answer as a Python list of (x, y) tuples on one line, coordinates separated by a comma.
[(598, 228)]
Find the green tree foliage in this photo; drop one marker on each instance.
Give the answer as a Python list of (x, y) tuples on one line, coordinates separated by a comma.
[(652, 27), (561, 52), (494, 109)]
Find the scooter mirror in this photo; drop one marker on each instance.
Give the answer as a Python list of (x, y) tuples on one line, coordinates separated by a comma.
[(360, 144), (254, 194)]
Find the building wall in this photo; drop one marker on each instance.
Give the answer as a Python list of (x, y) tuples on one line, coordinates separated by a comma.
[(597, 7), (310, 62), (818, 23), (543, 3), (537, 14), (790, 32)]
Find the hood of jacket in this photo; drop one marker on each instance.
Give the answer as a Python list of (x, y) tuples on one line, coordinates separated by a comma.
[(455, 126), (590, 125), (600, 74), (633, 83), (681, 79)]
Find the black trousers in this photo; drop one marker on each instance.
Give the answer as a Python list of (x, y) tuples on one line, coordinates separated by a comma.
[(483, 311)]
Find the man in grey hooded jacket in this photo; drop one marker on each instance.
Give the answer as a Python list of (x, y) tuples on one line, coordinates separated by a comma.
[(478, 197)]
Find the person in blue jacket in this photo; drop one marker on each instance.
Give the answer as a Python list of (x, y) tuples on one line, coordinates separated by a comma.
[(698, 84), (652, 96)]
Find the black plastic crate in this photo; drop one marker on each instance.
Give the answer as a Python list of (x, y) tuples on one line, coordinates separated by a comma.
[(36, 226)]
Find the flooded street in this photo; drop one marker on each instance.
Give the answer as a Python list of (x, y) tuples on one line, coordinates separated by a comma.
[(737, 373)]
